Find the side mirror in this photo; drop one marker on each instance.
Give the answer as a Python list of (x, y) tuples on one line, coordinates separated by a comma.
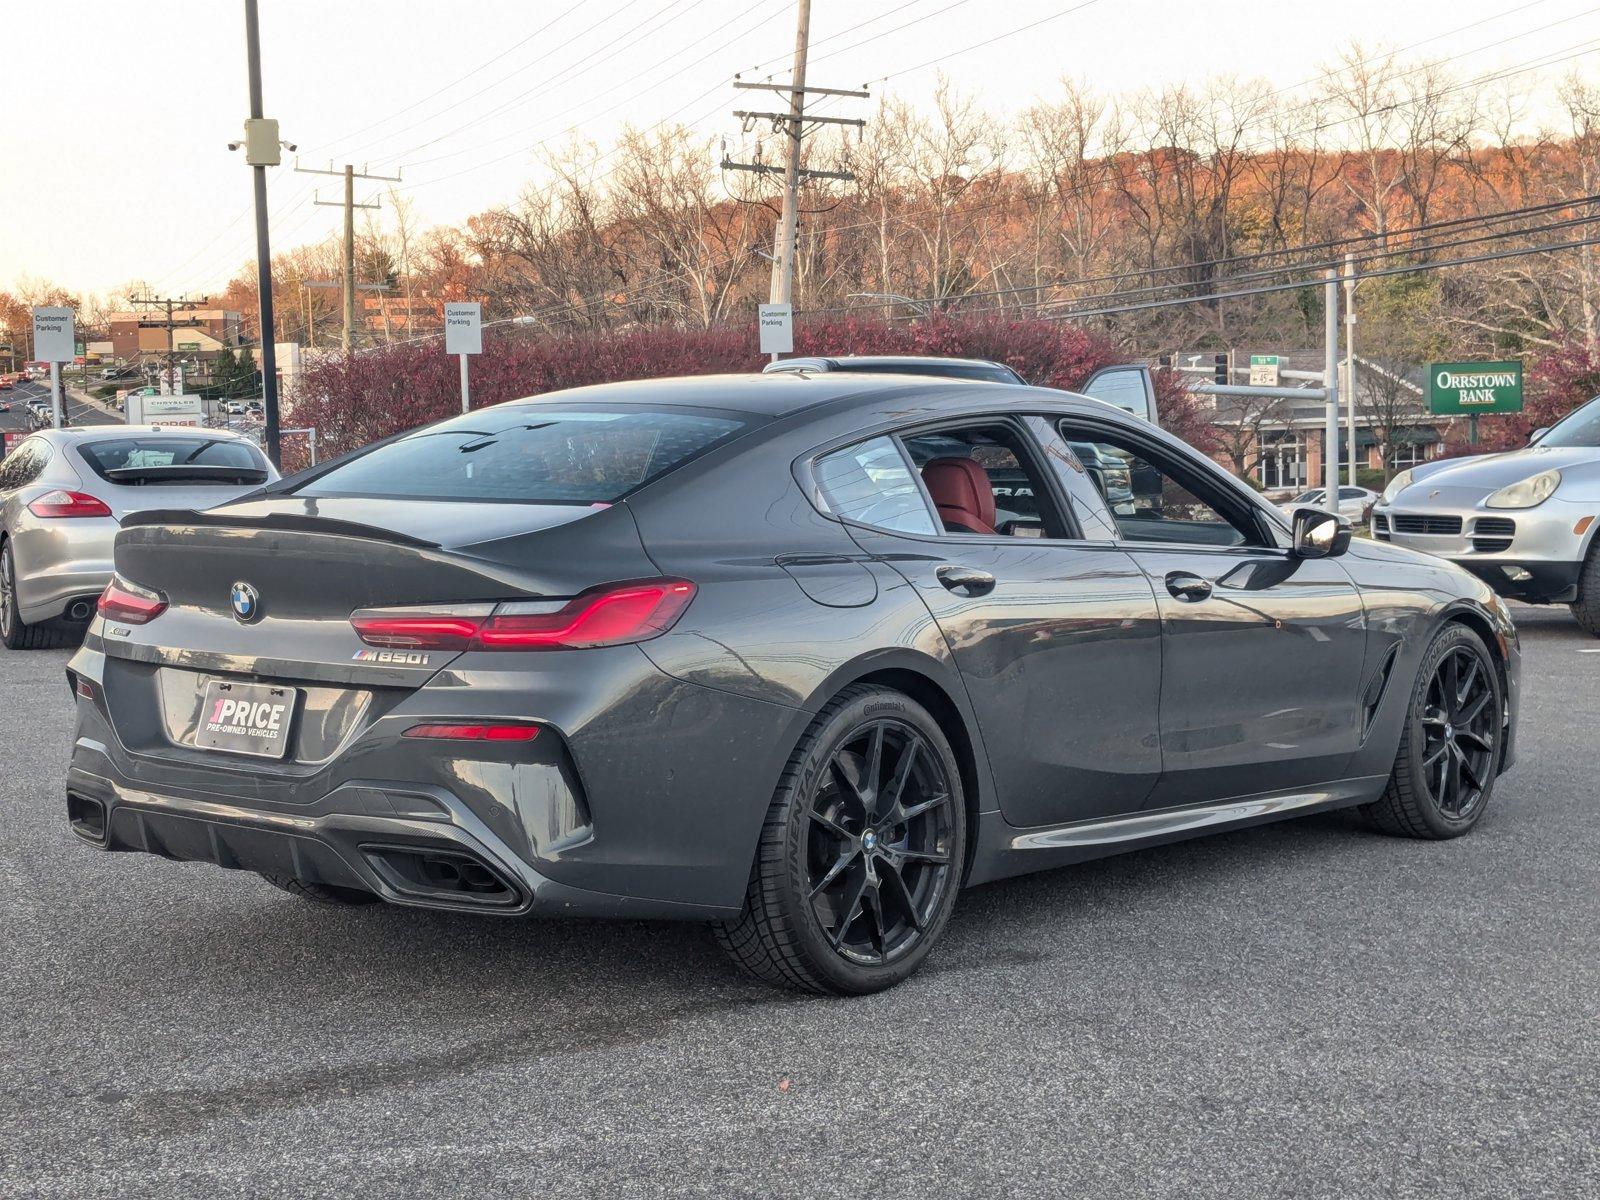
[(1533, 438), (1319, 533)]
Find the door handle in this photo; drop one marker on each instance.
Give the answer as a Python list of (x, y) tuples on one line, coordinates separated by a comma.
[(1187, 587), (968, 581)]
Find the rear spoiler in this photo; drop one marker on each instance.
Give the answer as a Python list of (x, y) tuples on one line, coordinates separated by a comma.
[(288, 522), (187, 473)]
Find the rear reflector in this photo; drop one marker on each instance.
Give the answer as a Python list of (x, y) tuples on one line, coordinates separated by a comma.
[(475, 733), (130, 603), (62, 503), (612, 615)]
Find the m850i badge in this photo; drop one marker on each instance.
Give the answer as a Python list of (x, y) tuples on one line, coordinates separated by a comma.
[(395, 658)]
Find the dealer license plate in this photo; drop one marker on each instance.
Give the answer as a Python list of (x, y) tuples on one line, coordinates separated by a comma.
[(246, 718)]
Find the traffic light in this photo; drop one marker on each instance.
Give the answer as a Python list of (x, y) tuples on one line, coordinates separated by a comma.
[(1221, 371)]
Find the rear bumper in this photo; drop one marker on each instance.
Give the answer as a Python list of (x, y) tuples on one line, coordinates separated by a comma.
[(642, 795), (409, 847)]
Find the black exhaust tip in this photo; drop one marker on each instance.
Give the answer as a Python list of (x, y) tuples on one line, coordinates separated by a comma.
[(80, 610), (430, 874), (87, 818)]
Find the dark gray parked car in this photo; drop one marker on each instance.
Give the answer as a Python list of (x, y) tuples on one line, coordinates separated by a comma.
[(741, 650)]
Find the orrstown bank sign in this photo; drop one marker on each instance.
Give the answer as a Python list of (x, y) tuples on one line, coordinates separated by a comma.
[(1470, 388)]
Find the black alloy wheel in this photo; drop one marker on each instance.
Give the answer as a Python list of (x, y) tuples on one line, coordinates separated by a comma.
[(878, 847), (1449, 752), (862, 852), (1459, 729)]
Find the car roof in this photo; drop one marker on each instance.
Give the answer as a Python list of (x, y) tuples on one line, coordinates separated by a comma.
[(757, 395), (846, 361), (79, 433), (768, 397)]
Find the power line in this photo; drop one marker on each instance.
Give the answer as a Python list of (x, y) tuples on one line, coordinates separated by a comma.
[(1201, 264), (1376, 273)]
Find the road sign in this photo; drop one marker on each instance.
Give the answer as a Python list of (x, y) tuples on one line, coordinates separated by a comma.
[(1470, 388), (53, 339), (463, 329), (1263, 370), (776, 322)]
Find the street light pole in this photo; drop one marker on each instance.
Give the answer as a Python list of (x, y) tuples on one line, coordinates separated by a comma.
[(262, 152), (1350, 356), (1330, 371)]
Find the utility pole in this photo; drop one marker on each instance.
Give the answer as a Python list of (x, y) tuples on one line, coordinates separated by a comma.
[(350, 175), (170, 323), (1350, 355), (1330, 371), (792, 125)]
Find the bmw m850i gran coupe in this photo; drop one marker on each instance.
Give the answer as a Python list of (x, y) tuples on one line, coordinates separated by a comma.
[(766, 652)]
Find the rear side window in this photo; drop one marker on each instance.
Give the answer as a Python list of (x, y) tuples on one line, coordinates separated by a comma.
[(529, 454), (24, 464), (156, 454), (871, 483)]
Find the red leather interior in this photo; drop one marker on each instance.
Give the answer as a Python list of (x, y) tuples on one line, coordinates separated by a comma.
[(961, 492)]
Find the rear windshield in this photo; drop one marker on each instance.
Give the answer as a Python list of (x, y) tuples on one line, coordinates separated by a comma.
[(117, 454), (530, 454)]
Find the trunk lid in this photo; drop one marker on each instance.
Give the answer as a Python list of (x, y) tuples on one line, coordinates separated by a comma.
[(313, 562)]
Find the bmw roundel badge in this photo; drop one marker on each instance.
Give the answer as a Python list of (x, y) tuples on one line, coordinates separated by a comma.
[(246, 602)]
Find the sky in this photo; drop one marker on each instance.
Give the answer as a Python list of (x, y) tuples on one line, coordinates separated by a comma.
[(113, 148)]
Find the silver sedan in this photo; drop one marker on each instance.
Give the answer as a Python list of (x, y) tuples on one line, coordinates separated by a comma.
[(63, 494), (1524, 522)]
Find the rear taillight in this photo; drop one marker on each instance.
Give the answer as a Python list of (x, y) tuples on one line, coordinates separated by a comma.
[(612, 615), (130, 603), (475, 733), (450, 628), (62, 503)]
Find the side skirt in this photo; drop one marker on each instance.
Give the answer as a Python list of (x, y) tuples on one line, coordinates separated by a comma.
[(1004, 850)]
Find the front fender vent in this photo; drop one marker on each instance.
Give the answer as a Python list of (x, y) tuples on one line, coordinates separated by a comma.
[(1377, 688)]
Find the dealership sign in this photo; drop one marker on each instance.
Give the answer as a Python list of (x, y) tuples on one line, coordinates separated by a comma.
[(1469, 388)]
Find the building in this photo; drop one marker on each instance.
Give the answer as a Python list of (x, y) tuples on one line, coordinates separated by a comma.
[(196, 331)]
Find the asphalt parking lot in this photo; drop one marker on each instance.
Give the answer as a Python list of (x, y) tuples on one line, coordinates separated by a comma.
[(1303, 1010)]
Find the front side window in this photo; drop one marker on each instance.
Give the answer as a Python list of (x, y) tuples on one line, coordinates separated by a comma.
[(530, 453), (871, 484), (1123, 387), (1166, 501)]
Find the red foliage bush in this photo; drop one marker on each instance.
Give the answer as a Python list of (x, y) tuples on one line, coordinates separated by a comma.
[(356, 399), (1557, 383)]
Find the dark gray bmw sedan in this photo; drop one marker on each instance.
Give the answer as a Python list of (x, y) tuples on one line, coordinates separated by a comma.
[(767, 652)]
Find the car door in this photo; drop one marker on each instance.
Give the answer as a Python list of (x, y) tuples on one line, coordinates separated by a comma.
[(1057, 640), (1262, 652)]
